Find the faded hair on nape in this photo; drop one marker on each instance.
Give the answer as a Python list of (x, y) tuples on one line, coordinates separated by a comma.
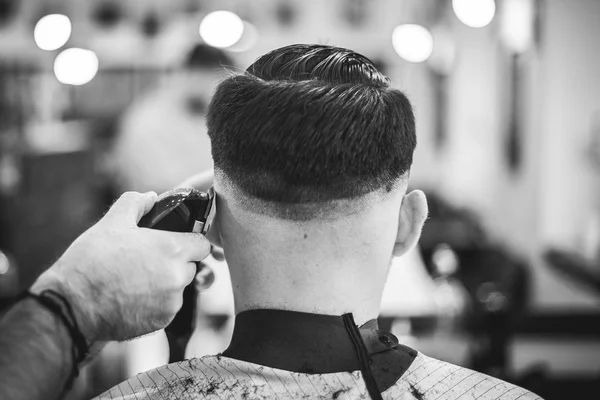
[(307, 124)]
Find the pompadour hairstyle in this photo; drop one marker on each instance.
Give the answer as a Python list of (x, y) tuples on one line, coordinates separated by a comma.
[(310, 124)]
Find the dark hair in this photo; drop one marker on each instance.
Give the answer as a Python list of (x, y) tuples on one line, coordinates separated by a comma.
[(204, 56), (311, 123)]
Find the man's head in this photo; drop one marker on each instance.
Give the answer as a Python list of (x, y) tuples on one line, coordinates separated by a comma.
[(313, 139), (311, 124)]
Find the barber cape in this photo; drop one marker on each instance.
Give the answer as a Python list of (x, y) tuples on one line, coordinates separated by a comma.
[(278, 354)]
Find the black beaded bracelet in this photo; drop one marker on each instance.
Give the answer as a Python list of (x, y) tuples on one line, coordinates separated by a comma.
[(59, 306)]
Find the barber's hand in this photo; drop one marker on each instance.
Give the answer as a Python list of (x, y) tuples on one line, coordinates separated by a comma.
[(124, 281)]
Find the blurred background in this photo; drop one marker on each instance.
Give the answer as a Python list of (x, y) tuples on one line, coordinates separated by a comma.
[(102, 96)]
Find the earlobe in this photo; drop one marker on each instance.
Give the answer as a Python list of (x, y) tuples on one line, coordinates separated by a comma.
[(413, 213)]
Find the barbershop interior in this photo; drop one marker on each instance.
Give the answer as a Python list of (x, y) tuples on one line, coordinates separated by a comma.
[(99, 97)]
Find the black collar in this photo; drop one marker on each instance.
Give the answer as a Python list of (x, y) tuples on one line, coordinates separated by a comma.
[(315, 344)]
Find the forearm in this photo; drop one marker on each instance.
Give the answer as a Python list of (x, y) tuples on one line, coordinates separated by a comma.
[(35, 353), (86, 298)]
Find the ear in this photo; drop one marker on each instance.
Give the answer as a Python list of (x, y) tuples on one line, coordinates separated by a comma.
[(413, 213), (214, 235)]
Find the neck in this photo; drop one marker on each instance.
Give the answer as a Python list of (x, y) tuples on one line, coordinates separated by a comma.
[(316, 289), (332, 267)]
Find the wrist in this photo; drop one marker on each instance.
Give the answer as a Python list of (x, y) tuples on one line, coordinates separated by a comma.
[(50, 280), (93, 347), (60, 310)]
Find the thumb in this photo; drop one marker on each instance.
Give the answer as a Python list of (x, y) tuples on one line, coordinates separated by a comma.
[(131, 207)]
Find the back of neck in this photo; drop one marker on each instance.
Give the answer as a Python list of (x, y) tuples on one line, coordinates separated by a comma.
[(332, 267)]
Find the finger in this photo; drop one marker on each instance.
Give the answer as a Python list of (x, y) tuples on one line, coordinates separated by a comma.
[(192, 246), (190, 272), (217, 253), (205, 277), (131, 207), (150, 201), (202, 181)]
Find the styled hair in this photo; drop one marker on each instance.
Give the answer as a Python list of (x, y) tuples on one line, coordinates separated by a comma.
[(311, 124)]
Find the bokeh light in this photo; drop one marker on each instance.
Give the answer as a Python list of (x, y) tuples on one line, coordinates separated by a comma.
[(52, 31), (516, 24), (221, 29), (412, 42), (4, 263), (474, 13), (248, 39), (76, 66)]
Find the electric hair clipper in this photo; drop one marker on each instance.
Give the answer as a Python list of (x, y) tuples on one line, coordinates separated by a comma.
[(182, 210)]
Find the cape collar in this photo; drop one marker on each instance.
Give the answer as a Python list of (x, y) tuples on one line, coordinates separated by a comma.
[(315, 344)]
